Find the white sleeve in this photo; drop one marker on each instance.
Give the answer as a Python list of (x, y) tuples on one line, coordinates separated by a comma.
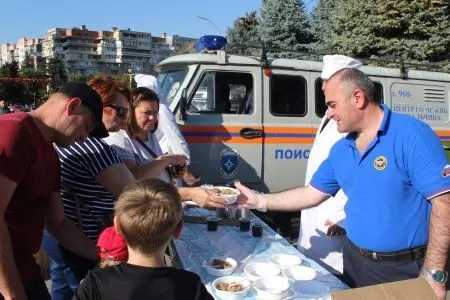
[(120, 142), (169, 133)]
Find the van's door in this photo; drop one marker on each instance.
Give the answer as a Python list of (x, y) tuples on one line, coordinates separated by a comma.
[(288, 127), (223, 123)]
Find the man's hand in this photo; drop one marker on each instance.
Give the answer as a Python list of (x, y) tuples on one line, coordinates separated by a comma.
[(174, 159), (205, 198), (249, 199), (334, 229), (438, 289)]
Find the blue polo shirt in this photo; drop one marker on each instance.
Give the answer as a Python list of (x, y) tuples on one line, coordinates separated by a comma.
[(389, 186)]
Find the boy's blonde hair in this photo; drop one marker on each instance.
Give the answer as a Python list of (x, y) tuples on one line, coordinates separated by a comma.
[(148, 212)]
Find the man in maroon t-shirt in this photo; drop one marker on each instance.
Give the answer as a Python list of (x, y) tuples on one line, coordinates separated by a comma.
[(30, 184)]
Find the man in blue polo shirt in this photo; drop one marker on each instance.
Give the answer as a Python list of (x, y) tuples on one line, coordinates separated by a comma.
[(395, 173)]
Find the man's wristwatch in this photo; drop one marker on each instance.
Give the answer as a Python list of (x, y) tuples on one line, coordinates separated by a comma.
[(437, 276)]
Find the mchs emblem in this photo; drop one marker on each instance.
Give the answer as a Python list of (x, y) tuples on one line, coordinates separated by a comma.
[(229, 159), (446, 171), (380, 163)]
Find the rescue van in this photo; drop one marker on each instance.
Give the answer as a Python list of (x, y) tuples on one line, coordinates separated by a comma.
[(255, 119)]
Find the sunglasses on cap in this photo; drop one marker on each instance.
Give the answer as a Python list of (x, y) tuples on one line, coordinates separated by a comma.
[(121, 111)]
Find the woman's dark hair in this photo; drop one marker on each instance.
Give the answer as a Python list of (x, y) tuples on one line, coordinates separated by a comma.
[(139, 95)]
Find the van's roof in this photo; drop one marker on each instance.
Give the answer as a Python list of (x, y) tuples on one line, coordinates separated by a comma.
[(295, 64)]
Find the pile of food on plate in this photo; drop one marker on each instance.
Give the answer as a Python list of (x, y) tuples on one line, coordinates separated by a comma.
[(220, 264), (230, 287)]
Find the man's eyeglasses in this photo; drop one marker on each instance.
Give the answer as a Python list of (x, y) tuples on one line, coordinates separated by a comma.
[(121, 111)]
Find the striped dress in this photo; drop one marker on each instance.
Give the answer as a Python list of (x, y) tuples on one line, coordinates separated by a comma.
[(81, 163)]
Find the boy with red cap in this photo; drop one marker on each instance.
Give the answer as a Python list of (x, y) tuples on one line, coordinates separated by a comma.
[(148, 214)]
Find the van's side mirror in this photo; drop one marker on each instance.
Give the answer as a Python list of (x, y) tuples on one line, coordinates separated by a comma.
[(183, 105)]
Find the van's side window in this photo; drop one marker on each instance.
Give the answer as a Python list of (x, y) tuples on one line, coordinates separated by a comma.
[(288, 96), (223, 93), (321, 107), (378, 92)]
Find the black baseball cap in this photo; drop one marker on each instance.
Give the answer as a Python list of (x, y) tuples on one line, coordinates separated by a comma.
[(92, 100)]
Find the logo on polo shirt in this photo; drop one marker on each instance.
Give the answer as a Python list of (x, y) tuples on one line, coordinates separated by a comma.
[(446, 171), (380, 163)]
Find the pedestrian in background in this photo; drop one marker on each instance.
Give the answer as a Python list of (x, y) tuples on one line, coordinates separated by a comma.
[(4, 109)]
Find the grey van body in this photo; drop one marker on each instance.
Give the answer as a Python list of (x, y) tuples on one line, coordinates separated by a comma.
[(257, 124)]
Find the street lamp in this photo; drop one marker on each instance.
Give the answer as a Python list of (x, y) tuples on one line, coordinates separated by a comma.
[(211, 22)]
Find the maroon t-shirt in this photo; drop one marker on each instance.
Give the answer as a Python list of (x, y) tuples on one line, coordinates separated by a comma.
[(27, 159)]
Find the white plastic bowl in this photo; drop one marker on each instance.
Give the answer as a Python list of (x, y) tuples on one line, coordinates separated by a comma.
[(276, 287), (285, 260), (231, 295), (228, 198), (220, 272), (296, 273), (257, 270)]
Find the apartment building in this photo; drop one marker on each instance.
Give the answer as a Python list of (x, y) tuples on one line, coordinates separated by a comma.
[(88, 52), (19, 51), (134, 49)]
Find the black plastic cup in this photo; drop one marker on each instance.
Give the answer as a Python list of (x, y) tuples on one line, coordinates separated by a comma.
[(257, 230), (244, 224), (212, 223)]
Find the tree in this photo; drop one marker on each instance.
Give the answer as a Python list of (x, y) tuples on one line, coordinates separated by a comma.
[(413, 29), (353, 24), (322, 25), (27, 62), (12, 88), (285, 24), (78, 77), (56, 72), (243, 33), (34, 83)]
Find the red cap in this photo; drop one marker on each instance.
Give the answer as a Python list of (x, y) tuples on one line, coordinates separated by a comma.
[(111, 245)]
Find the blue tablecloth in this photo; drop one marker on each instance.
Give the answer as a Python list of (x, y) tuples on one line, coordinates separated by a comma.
[(196, 245)]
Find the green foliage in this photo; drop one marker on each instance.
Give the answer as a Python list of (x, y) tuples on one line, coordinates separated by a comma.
[(322, 25), (10, 69), (243, 32), (27, 62), (353, 23), (11, 89), (34, 84), (447, 149), (56, 72), (415, 30), (78, 77), (285, 24)]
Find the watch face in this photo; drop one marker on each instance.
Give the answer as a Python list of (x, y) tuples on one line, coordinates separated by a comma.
[(439, 276)]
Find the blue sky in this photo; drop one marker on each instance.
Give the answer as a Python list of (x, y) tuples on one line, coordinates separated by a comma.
[(31, 18)]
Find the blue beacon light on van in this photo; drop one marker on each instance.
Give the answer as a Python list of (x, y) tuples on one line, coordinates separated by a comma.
[(210, 42)]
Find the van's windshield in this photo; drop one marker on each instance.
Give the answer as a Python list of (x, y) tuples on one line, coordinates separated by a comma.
[(169, 82)]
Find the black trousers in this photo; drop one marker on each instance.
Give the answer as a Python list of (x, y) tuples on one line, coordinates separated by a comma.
[(35, 289), (362, 271), (77, 264)]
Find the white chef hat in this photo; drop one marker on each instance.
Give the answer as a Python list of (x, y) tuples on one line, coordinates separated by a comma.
[(335, 63), (148, 81)]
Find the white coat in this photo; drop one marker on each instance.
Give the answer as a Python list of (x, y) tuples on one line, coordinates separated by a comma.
[(313, 240), (168, 133)]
